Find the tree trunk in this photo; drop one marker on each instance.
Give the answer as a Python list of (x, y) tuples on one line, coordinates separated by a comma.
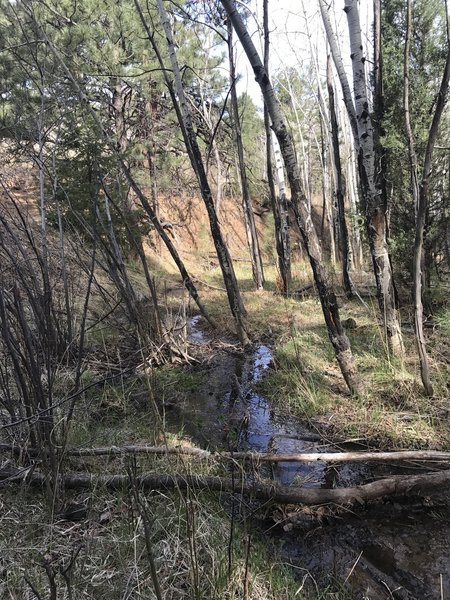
[(327, 296), (327, 196), (234, 297), (396, 485), (338, 63), (376, 223), (252, 235), (150, 120), (339, 189), (219, 178), (281, 186), (353, 194), (420, 193), (378, 116), (279, 206)]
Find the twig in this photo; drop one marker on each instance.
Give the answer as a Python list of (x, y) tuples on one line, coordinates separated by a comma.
[(353, 568)]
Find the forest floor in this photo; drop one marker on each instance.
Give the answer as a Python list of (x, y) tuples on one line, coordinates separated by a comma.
[(102, 544)]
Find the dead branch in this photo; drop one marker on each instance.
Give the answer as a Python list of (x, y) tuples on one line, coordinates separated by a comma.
[(266, 491), (208, 285), (333, 457)]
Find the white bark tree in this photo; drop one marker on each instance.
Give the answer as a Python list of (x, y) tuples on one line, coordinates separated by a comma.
[(337, 335), (375, 208)]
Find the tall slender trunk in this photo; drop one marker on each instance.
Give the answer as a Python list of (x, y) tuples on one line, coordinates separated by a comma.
[(327, 202), (378, 116), (339, 192), (353, 195), (150, 109), (279, 205), (340, 69), (252, 235), (420, 192), (376, 222), (220, 180), (184, 114), (327, 296), (415, 189), (281, 187)]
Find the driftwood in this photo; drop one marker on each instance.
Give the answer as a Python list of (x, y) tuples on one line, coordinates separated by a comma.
[(395, 485), (333, 457)]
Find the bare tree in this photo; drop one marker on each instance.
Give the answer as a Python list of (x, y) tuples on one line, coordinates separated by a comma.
[(300, 205), (279, 203), (185, 121), (420, 191), (364, 142), (339, 192), (250, 226), (339, 64)]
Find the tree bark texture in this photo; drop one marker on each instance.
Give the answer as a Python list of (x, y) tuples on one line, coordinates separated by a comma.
[(340, 69), (339, 192), (279, 205), (304, 221), (231, 285), (390, 486), (250, 226), (376, 222)]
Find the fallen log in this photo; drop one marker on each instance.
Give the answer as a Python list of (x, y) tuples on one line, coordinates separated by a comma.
[(302, 290), (390, 486), (208, 285), (333, 457)]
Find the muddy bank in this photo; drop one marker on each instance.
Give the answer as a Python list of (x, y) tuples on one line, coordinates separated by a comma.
[(390, 550), (381, 553)]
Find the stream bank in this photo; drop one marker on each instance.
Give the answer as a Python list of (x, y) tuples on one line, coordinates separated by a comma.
[(394, 549)]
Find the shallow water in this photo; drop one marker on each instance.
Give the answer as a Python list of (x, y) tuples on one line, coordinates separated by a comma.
[(387, 551)]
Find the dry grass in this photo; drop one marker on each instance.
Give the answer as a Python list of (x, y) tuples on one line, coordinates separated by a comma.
[(190, 536)]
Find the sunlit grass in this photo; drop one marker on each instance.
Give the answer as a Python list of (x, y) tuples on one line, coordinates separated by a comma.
[(306, 380)]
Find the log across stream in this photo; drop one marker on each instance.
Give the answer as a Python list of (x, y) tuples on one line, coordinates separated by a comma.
[(393, 549)]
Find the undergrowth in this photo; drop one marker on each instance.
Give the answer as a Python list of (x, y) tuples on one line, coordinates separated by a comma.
[(198, 549), (190, 542)]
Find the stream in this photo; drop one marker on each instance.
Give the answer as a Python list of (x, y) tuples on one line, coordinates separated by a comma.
[(387, 550)]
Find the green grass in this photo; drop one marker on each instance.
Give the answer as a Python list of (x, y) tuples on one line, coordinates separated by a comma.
[(305, 380)]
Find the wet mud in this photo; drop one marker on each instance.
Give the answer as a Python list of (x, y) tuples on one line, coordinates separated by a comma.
[(394, 549)]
